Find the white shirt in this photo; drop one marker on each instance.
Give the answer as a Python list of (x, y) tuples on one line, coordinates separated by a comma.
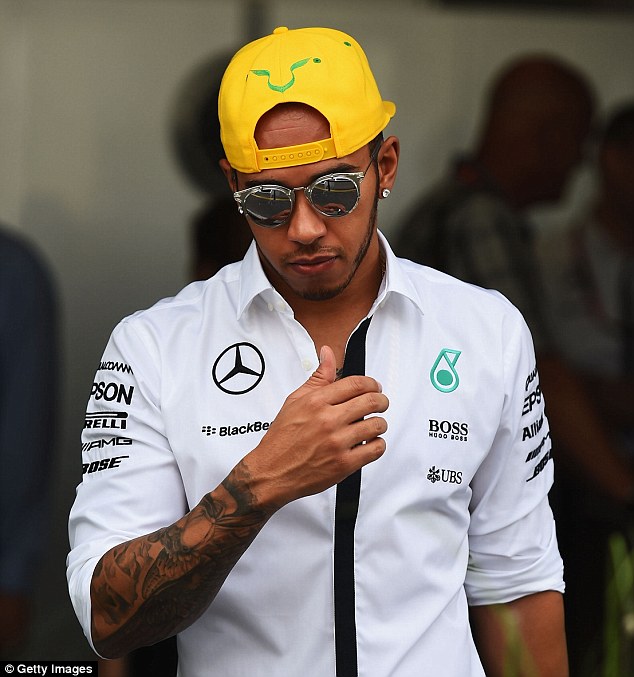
[(454, 513)]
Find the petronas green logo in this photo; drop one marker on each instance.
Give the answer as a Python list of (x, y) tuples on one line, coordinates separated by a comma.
[(282, 88), (443, 374)]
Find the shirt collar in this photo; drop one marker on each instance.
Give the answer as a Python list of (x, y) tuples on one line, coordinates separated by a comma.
[(254, 283)]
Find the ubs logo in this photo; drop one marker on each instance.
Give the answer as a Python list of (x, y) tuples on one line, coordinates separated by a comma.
[(238, 369)]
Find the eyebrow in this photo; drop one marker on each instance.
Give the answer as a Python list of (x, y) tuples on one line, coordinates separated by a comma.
[(340, 169)]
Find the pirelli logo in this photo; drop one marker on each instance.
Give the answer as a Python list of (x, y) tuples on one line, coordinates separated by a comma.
[(110, 420)]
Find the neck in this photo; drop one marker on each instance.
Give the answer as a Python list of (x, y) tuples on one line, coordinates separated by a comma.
[(332, 321)]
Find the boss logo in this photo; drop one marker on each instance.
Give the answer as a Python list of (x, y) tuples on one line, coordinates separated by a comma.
[(449, 430)]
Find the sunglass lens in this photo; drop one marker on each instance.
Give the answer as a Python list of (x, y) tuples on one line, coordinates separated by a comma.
[(268, 207), (335, 196)]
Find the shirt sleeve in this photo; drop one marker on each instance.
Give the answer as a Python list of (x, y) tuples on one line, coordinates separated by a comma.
[(512, 540), (131, 481)]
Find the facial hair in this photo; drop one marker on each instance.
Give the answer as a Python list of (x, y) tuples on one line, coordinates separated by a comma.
[(326, 293)]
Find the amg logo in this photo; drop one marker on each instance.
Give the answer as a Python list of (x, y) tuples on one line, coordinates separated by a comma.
[(106, 419), (532, 430), (103, 464), (111, 392), (115, 366), (112, 442), (449, 430), (536, 452)]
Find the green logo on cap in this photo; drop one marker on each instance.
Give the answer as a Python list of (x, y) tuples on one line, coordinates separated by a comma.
[(291, 82), (444, 376)]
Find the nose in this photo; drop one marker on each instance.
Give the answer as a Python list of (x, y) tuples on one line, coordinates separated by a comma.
[(306, 224)]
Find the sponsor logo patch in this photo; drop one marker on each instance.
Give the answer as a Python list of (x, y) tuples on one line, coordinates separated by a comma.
[(106, 419), (230, 430), (449, 430), (443, 374), (238, 369), (445, 475), (103, 464)]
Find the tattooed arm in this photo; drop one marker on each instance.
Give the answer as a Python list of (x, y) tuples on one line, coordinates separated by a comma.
[(154, 586)]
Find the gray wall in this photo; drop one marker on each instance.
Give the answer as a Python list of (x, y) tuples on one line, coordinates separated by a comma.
[(87, 93)]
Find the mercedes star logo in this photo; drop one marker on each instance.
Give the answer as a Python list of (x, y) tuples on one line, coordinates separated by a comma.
[(238, 369)]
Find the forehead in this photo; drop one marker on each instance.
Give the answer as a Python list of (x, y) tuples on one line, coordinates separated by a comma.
[(289, 125)]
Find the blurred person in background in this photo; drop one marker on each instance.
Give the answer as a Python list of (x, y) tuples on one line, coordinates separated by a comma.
[(474, 225), (219, 236), (589, 273), (28, 404)]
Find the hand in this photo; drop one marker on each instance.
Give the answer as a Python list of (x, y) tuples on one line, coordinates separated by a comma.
[(319, 437)]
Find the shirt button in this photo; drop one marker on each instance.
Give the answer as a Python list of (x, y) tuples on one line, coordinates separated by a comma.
[(307, 364), (270, 305), (281, 306)]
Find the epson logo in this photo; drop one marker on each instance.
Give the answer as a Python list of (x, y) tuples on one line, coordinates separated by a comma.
[(452, 430), (531, 400), (112, 392)]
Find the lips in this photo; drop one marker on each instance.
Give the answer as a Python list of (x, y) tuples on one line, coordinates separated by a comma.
[(312, 265)]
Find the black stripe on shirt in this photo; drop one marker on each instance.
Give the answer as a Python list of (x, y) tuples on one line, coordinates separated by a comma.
[(347, 505)]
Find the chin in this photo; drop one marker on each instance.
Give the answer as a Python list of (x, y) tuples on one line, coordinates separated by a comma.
[(322, 294)]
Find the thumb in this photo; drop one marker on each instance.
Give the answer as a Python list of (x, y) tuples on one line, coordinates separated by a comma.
[(327, 371), (325, 374)]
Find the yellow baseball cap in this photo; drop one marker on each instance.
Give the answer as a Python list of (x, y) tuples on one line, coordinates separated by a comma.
[(320, 67)]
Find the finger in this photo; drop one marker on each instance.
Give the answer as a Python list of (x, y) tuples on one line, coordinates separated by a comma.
[(365, 431), (361, 406), (350, 387), (370, 451)]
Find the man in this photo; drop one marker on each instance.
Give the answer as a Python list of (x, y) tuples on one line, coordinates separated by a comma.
[(28, 380), (284, 525), (474, 226), (589, 273)]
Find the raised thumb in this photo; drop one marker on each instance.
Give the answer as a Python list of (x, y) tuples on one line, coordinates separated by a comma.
[(326, 372)]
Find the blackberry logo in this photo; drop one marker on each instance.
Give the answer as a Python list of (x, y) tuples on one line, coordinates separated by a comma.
[(229, 430), (449, 430)]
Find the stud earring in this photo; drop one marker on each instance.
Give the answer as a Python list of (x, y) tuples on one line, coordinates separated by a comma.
[(385, 192)]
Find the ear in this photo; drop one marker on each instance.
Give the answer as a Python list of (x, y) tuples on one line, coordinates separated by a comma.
[(228, 172), (388, 162)]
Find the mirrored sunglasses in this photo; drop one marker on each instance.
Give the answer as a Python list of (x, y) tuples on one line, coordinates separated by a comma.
[(335, 195)]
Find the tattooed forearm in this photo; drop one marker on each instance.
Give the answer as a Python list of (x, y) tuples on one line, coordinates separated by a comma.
[(157, 585)]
